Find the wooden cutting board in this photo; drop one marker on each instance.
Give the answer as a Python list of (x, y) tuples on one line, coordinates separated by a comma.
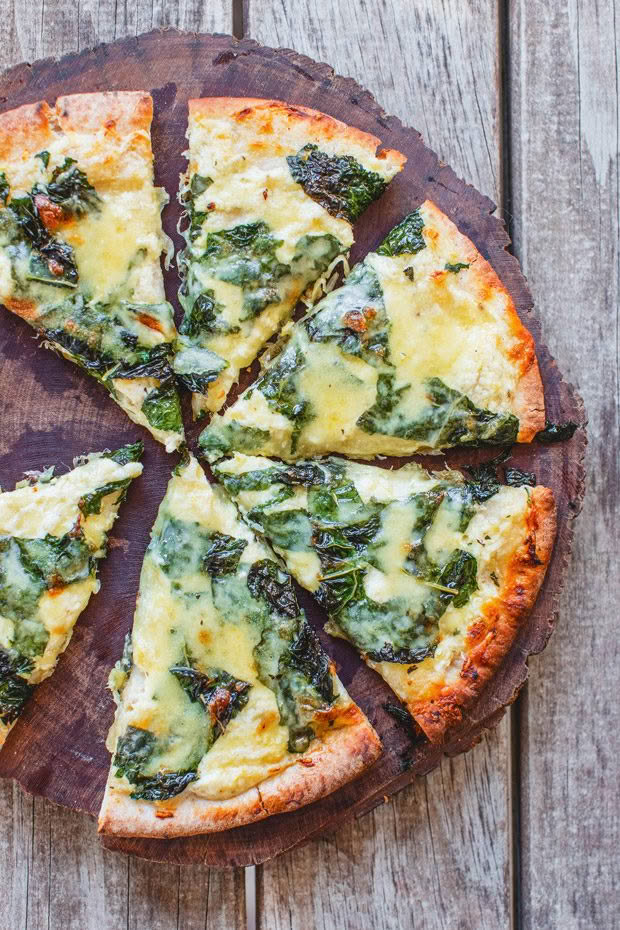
[(50, 412)]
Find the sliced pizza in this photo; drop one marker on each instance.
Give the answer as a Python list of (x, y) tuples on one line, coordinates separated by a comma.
[(228, 708), (80, 246), (271, 193), (429, 575), (53, 531), (420, 349)]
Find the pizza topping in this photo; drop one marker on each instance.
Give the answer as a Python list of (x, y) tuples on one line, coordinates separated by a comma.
[(339, 183), (407, 238), (388, 570), (46, 579), (556, 432)]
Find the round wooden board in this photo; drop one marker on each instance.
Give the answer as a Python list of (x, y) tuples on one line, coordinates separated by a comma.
[(50, 413)]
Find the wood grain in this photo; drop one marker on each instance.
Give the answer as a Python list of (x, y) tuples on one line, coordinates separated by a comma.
[(215, 65), (565, 112), (435, 65), (94, 889)]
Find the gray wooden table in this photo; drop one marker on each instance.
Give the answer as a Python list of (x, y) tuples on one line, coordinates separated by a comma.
[(521, 98)]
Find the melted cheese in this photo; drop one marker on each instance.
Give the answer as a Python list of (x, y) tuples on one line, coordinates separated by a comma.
[(442, 324), (254, 745), (34, 511), (246, 160), (496, 530)]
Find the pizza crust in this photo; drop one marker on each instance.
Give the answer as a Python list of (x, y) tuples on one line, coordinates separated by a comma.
[(528, 401), (491, 636), (319, 125), (341, 756)]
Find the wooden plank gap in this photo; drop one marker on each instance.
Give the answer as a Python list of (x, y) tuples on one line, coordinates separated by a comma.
[(250, 897), (239, 18)]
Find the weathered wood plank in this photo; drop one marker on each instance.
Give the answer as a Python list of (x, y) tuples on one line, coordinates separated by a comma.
[(55, 871), (438, 855), (565, 111)]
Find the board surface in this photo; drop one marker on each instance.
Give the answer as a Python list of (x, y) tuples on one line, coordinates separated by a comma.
[(50, 412)]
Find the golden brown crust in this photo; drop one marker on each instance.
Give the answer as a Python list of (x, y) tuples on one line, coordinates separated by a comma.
[(490, 637), (121, 111), (319, 124), (329, 763), (28, 129), (528, 400), (25, 130)]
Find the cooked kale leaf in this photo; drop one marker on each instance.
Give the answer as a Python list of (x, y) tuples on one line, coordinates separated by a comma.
[(183, 548), (267, 581), (406, 238), (162, 407), (354, 317), (455, 267), (246, 256), (221, 438), (518, 478), (4, 188), (14, 688), (91, 502), (70, 189), (279, 386), (221, 695), (132, 452), (557, 432), (134, 751), (450, 419), (339, 183)]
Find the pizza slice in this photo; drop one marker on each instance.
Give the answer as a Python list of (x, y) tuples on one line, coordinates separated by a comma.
[(420, 349), (228, 708), (53, 531), (429, 575), (80, 246), (271, 193)]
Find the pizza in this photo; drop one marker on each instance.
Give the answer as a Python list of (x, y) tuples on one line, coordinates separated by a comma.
[(53, 532), (228, 709), (80, 246), (419, 350), (270, 196), (428, 575)]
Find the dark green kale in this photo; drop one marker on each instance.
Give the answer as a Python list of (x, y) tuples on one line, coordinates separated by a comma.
[(4, 188), (182, 548), (402, 717), (354, 317), (162, 407), (518, 478), (14, 688), (339, 183), (134, 751), (204, 318), (266, 580), (197, 186), (223, 554), (132, 452), (221, 695), (219, 439), (406, 238), (51, 260), (246, 256), (91, 502), (293, 665), (556, 432), (305, 474), (70, 189), (98, 341), (279, 385), (450, 419), (28, 567), (44, 156), (409, 272), (456, 266)]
